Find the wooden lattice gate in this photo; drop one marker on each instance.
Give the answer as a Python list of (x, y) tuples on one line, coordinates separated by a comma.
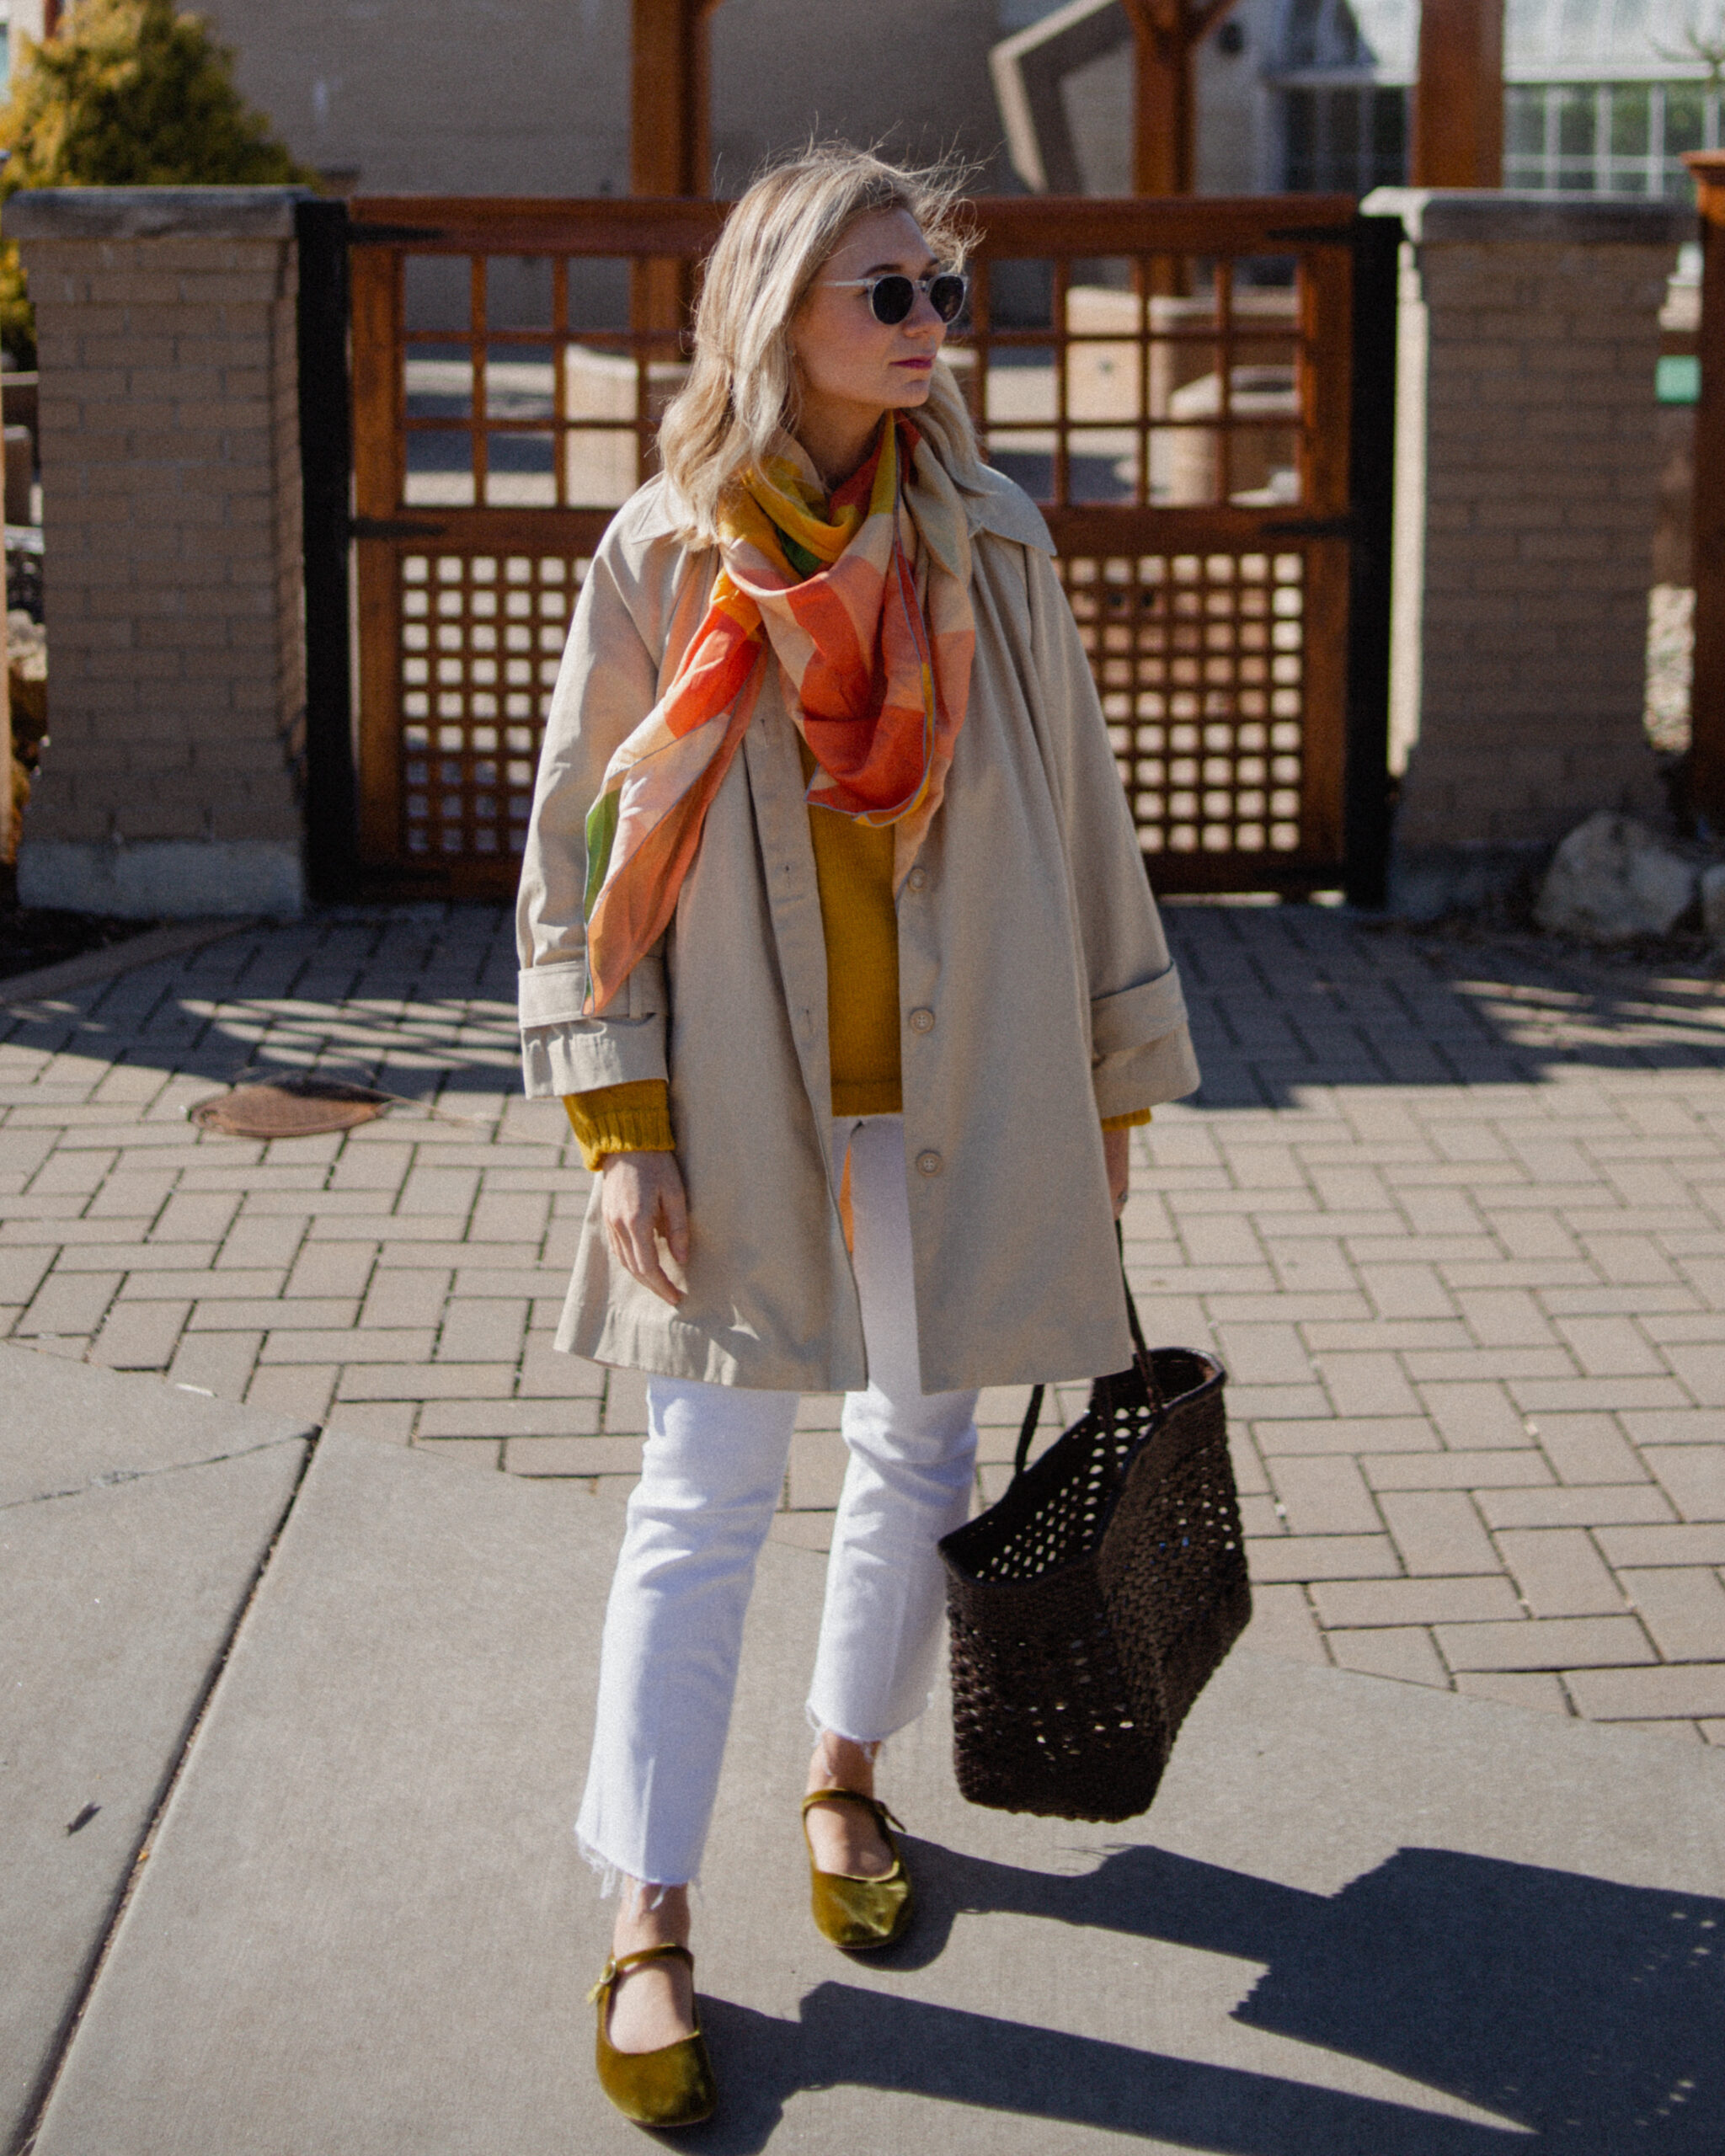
[(1198, 391)]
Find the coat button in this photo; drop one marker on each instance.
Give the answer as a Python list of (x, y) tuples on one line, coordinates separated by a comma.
[(929, 1164), (918, 879), (922, 1022)]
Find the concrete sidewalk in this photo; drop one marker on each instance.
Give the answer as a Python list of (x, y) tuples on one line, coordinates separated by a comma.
[(1363, 1916), (1452, 1212), (134, 1523)]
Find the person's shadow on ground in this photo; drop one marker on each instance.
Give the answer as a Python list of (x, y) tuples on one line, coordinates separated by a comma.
[(1590, 2016)]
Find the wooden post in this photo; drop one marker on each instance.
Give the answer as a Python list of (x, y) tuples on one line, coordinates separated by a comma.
[(1163, 131), (1458, 102), (670, 135), (1168, 34), (1707, 694), (669, 97)]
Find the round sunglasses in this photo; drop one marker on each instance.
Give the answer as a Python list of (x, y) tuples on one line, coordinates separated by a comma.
[(892, 297)]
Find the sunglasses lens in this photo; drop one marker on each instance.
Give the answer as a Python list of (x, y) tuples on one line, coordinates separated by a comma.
[(946, 295), (893, 298)]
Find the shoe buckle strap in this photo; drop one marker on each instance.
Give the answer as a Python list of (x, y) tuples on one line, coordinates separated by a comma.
[(619, 1965), (882, 1811)]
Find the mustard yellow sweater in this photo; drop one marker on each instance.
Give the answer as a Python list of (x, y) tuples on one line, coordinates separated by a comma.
[(853, 867)]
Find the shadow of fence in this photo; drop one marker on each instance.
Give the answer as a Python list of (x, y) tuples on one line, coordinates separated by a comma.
[(1283, 999), (420, 1000)]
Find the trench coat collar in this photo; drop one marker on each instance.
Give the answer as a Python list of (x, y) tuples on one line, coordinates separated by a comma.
[(993, 502)]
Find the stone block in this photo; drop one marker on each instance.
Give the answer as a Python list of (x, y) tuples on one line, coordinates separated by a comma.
[(1546, 1643), (1404, 1652), (1479, 1600), (1322, 1557), (1536, 1689), (1560, 1572), (1683, 1606), (1611, 881), (1438, 1531), (1684, 1690), (1324, 1494), (1695, 1477), (140, 1336)]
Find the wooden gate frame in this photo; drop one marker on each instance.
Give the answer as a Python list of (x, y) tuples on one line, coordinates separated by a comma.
[(380, 232), (1353, 273)]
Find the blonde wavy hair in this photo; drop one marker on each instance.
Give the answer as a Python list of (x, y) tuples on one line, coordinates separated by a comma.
[(742, 387)]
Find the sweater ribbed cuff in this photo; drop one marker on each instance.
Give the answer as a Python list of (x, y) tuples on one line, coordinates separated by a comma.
[(631, 1118)]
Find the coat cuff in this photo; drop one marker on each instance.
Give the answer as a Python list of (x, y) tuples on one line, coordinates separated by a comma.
[(558, 1060), (564, 1053), (1154, 1071), (1134, 1016)]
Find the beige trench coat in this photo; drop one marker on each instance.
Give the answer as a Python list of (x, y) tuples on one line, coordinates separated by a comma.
[(1026, 928)]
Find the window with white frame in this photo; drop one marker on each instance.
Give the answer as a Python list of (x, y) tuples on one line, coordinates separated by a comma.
[(1606, 138), (1601, 97)]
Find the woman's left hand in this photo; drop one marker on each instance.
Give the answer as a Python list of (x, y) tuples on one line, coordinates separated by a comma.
[(1117, 1151)]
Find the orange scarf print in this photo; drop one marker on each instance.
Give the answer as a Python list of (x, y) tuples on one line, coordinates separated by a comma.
[(866, 606)]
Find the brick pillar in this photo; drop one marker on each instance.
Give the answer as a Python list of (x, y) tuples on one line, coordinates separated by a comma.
[(1527, 475), (170, 785)]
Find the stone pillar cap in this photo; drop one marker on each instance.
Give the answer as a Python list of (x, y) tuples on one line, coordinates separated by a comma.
[(152, 212), (1487, 217)]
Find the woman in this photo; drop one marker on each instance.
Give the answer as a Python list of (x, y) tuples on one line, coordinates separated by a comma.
[(836, 943)]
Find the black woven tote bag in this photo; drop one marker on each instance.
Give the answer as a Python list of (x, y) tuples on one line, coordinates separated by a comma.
[(1092, 1604)]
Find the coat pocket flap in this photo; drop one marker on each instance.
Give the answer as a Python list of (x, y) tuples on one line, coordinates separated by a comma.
[(1136, 1015)]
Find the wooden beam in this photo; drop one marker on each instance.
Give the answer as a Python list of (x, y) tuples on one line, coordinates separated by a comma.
[(1458, 102), (1706, 693)]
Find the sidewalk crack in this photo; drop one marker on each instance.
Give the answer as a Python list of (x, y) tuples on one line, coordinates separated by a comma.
[(112, 1478)]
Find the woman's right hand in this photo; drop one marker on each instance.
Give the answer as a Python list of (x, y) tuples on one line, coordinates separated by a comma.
[(642, 1199)]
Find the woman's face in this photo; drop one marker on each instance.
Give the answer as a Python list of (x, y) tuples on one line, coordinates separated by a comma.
[(844, 357)]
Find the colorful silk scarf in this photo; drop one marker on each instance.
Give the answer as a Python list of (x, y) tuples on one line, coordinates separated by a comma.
[(866, 607)]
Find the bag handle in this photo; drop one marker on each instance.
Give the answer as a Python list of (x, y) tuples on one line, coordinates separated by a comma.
[(1140, 1356)]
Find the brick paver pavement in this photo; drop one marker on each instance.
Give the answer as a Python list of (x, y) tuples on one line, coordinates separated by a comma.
[(1453, 1212)]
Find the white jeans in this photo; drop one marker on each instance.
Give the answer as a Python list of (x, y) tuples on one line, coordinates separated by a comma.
[(712, 1475)]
